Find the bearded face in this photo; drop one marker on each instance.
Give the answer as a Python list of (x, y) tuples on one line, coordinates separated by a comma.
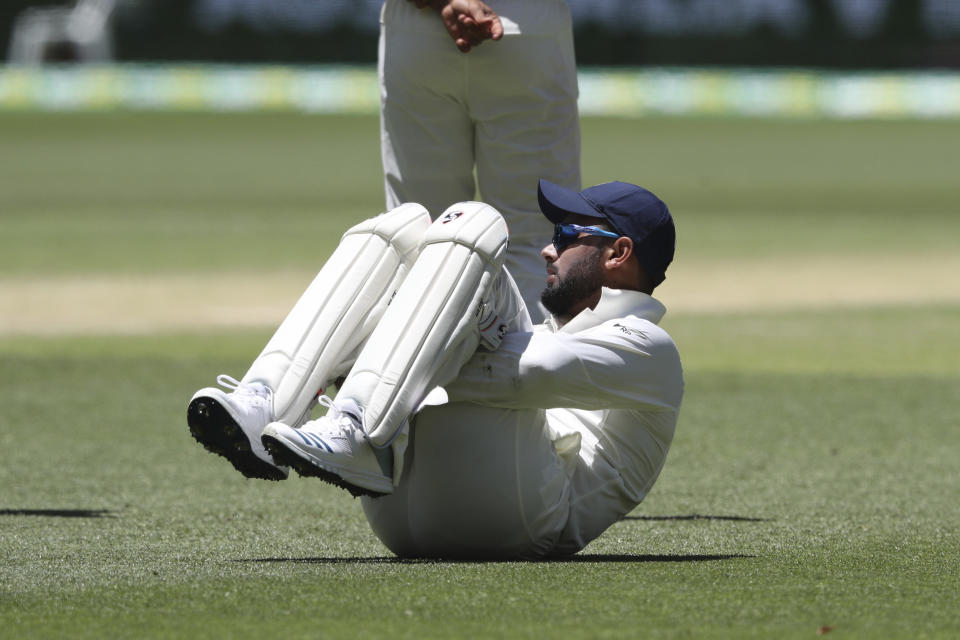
[(581, 279)]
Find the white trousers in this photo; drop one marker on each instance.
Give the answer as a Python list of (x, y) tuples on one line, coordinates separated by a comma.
[(478, 482), (506, 113), (481, 483)]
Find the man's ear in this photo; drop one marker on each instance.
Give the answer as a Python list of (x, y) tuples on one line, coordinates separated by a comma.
[(620, 252), (623, 269)]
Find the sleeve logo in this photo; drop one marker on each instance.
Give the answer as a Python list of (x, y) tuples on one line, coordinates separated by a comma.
[(631, 331)]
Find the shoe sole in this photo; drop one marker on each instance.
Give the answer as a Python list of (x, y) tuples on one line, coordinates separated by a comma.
[(283, 455), (213, 427)]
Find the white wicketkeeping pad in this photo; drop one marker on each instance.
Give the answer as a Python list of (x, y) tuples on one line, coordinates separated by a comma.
[(430, 328), (339, 310)]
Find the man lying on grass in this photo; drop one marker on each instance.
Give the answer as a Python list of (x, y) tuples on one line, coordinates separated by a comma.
[(469, 432)]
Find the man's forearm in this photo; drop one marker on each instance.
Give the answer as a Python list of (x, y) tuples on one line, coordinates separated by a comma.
[(544, 370)]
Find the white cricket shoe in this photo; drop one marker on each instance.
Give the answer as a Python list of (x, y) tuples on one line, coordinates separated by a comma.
[(334, 448), (230, 424)]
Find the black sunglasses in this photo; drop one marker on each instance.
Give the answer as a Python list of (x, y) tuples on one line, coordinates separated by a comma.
[(565, 234)]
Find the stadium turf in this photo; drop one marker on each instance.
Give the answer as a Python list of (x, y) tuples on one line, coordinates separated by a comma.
[(812, 483)]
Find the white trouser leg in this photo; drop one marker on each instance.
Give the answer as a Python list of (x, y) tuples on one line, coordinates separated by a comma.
[(426, 133), (508, 109), (338, 310), (539, 139)]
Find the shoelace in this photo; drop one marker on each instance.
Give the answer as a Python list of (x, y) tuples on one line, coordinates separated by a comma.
[(348, 426), (343, 420), (326, 401), (254, 389)]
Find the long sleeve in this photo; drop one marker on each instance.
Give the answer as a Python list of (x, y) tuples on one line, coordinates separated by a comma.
[(611, 383), (626, 363)]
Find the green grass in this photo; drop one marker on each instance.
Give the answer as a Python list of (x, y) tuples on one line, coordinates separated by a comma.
[(173, 192), (812, 481), (147, 194), (838, 478)]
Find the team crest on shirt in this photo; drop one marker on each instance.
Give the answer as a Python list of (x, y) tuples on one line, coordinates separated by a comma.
[(450, 216)]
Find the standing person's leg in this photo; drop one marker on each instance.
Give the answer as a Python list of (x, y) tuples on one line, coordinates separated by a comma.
[(426, 136), (451, 302), (523, 97), (313, 345)]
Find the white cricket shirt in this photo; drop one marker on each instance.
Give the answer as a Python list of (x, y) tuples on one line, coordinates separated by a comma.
[(611, 383)]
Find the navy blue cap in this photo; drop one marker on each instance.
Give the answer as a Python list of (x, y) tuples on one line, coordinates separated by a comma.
[(632, 211)]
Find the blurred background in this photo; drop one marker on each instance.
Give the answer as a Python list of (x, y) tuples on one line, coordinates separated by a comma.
[(166, 138), (876, 57), (845, 34)]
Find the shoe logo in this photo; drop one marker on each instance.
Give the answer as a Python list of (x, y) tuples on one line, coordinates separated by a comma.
[(450, 216), (311, 440)]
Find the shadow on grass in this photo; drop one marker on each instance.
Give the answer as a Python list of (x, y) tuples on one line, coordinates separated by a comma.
[(597, 558), (60, 513), (697, 516)]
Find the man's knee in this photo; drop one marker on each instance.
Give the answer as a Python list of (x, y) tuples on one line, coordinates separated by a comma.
[(475, 225)]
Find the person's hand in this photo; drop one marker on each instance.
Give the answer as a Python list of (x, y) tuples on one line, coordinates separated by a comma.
[(469, 22)]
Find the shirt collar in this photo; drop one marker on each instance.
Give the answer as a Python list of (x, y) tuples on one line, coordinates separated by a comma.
[(614, 303)]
